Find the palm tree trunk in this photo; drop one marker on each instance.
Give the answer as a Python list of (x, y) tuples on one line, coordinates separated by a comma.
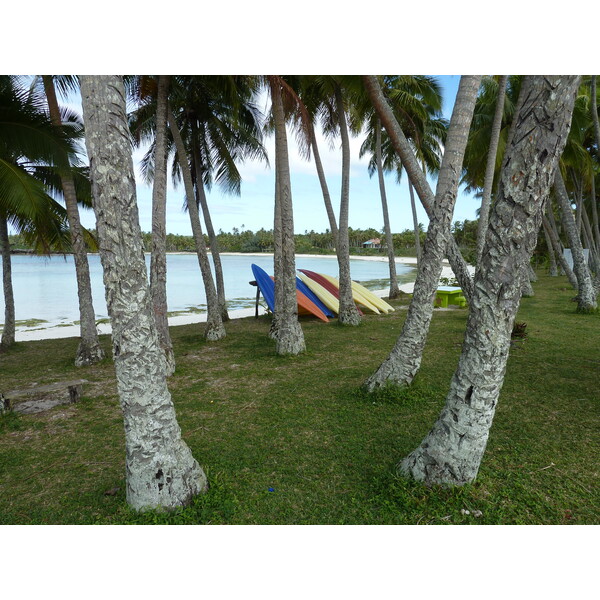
[(403, 362), (89, 350), (8, 329), (212, 238), (323, 183), (595, 211), (416, 227), (214, 324), (553, 271), (277, 252), (290, 337), (394, 291), (416, 176), (558, 250), (491, 166), (161, 471), (586, 297), (348, 314), (158, 257), (452, 451)]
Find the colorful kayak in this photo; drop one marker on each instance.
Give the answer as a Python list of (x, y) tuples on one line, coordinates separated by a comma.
[(358, 297), (325, 283), (300, 285), (326, 297), (381, 304), (266, 285)]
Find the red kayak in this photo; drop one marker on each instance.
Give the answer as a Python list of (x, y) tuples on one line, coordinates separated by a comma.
[(330, 287)]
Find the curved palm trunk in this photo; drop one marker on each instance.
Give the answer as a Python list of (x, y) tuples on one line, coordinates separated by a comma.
[(595, 211), (323, 183), (558, 250), (89, 350), (488, 181), (277, 241), (212, 238), (289, 338), (452, 451), (416, 176), (161, 471), (404, 360), (586, 296), (416, 227), (348, 314), (158, 257), (394, 291), (8, 329), (214, 324), (553, 271)]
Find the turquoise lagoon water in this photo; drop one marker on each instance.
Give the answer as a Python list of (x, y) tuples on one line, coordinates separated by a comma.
[(46, 289)]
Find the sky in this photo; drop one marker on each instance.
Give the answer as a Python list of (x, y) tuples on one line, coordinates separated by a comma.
[(253, 208)]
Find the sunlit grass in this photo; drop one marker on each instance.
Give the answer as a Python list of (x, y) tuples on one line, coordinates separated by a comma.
[(296, 440)]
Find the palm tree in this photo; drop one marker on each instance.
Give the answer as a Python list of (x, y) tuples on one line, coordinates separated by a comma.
[(29, 145), (161, 471), (214, 322), (89, 350), (404, 360), (416, 102), (416, 175), (491, 164), (327, 100), (452, 451), (287, 332)]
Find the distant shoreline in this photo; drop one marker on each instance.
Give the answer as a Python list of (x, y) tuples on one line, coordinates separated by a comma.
[(56, 332)]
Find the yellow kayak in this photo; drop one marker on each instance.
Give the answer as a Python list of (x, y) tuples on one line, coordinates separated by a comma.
[(326, 297), (357, 294), (380, 303)]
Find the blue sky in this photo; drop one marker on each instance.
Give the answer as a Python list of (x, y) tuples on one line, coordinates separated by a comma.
[(253, 209)]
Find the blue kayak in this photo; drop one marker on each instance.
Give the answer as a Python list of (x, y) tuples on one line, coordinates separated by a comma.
[(300, 285), (306, 305)]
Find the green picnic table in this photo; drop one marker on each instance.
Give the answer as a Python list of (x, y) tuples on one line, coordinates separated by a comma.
[(447, 294)]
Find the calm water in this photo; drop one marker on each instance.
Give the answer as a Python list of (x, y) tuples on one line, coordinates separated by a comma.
[(46, 289)]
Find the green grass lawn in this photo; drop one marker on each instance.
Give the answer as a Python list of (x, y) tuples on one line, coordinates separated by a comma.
[(302, 428)]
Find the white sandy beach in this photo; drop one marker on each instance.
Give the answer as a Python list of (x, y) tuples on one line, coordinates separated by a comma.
[(26, 335)]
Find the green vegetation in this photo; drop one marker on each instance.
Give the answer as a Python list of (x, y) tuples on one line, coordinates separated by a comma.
[(303, 428)]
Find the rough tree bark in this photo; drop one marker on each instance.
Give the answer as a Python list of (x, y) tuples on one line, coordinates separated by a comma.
[(586, 296), (210, 230), (289, 337), (490, 167), (452, 451), (348, 314), (558, 250), (394, 290), (416, 228), (416, 176), (553, 269), (158, 257), (214, 324), (161, 471), (404, 360), (89, 351), (323, 183), (8, 329)]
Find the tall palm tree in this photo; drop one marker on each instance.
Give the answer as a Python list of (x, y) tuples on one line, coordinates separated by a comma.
[(288, 334), (161, 471), (404, 360), (89, 350), (416, 175), (452, 451), (417, 102), (29, 145), (490, 165)]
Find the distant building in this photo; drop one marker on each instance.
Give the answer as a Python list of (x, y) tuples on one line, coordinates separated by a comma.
[(374, 243)]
